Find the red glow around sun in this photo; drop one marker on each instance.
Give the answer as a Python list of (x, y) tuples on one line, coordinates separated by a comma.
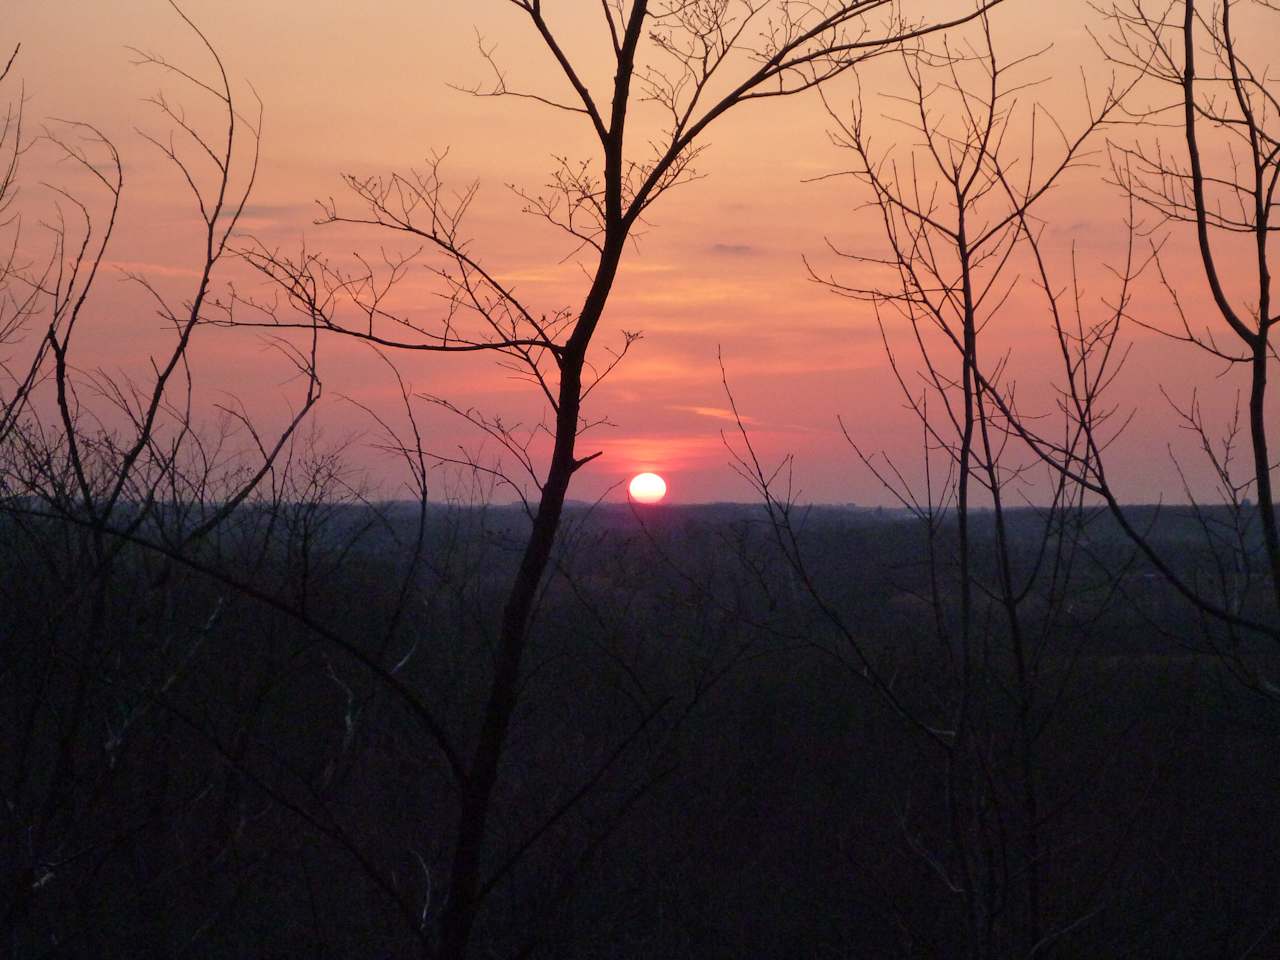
[(647, 488)]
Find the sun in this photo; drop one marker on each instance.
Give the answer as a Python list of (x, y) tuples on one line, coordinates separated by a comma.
[(647, 488)]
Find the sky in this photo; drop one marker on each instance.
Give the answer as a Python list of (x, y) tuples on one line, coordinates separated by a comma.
[(719, 271)]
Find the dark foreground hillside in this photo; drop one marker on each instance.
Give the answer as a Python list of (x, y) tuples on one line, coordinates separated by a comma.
[(234, 749)]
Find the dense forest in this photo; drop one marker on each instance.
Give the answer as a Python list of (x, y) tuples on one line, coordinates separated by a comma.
[(700, 766)]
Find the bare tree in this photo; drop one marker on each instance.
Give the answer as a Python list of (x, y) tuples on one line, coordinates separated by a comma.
[(1222, 189), (696, 62), (956, 205), (16, 302), (104, 460)]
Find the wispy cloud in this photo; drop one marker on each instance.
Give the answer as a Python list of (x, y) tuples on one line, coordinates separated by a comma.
[(662, 451), (715, 413), (734, 249), (144, 268), (264, 216), (278, 211)]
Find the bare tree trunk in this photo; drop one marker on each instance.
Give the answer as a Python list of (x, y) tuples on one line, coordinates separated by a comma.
[(1257, 341), (458, 919), (1262, 463)]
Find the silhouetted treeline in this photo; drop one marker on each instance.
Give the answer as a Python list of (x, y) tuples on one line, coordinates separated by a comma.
[(700, 771)]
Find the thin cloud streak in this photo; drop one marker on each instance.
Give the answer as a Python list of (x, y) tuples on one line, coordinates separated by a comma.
[(715, 413)]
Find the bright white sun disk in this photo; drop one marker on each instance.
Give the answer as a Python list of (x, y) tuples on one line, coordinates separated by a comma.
[(647, 488)]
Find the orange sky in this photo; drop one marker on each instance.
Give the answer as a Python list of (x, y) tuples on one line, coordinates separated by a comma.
[(365, 90)]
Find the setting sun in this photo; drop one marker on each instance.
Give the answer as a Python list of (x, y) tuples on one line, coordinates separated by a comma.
[(647, 488)]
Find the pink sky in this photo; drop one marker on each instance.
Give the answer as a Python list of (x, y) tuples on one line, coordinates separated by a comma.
[(365, 90)]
